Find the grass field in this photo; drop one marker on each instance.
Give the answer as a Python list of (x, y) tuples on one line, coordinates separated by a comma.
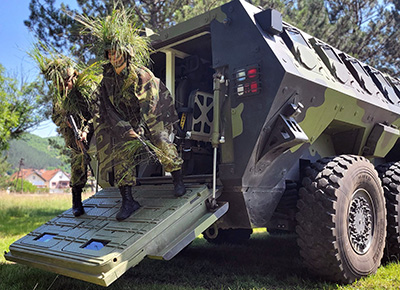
[(265, 262)]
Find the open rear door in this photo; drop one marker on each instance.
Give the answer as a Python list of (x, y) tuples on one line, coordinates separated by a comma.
[(95, 247)]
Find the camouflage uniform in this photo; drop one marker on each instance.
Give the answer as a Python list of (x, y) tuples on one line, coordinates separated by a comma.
[(137, 101), (75, 105)]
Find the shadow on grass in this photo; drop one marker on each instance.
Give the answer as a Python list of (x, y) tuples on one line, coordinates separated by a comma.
[(264, 262)]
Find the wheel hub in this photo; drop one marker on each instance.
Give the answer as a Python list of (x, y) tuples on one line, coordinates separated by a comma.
[(360, 221)]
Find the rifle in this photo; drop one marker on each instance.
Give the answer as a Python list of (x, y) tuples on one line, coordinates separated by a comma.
[(78, 137)]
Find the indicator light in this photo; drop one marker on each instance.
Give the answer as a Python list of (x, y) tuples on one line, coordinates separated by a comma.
[(252, 73), (254, 87), (241, 75)]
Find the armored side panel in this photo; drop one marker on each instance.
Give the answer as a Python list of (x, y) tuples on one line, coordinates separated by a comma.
[(96, 248), (263, 122), (285, 99)]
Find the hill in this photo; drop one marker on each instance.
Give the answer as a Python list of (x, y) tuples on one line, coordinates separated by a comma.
[(36, 152)]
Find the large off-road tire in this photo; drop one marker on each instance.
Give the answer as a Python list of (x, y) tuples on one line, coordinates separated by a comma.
[(390, 176), (342, 218), (218, 236)]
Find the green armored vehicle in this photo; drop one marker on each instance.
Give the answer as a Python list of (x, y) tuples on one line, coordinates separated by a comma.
[(277, 129)]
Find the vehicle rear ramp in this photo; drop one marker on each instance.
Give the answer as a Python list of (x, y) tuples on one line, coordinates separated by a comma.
[(95, 247)]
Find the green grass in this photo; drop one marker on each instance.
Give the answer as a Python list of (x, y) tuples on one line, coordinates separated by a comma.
[(265, 262), (22, 213)]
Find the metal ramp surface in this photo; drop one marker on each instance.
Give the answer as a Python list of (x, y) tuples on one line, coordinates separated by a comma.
[(95, 247)]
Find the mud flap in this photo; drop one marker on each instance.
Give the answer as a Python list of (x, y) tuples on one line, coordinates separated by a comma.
[(96, 248)]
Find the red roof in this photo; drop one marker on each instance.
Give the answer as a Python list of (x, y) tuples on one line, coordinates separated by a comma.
[(49, 174), (46, 175), (25, 173)]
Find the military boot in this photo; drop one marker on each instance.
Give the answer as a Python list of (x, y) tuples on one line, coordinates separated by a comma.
[(129, 205), (77, 207), (177, 180)]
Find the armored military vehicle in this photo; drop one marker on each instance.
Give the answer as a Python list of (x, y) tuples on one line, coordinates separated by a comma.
[(281, 128)]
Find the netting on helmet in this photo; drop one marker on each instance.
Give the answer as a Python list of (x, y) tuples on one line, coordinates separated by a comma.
[(119, 32), (57, 69)]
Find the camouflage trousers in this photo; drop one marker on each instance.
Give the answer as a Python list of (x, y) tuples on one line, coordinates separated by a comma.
[(118, 162), (78, 170), (79, 163)]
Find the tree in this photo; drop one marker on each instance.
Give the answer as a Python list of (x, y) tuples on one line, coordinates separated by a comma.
[(193, 8), (4, 177), (56, 29), (21, 108), (366, 29)]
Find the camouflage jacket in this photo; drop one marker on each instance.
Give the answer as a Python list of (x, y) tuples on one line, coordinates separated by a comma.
[(77, 106), (136, 100)]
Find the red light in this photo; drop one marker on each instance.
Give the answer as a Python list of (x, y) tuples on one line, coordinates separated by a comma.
[(252, 73), (254, 87)]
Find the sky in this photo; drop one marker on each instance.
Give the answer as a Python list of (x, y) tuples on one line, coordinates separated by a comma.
[(16, 40)]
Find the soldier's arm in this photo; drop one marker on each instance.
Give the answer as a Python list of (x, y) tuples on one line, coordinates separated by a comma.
[(121, 127)]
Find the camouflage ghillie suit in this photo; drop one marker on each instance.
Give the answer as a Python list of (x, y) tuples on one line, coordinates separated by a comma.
[(76, 105), (133, 100), (72, 93)]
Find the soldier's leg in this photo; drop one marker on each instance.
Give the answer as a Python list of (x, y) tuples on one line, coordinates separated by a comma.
[(78, 171), (177, 180), (77, 206), (129, 205), (169, 158), (125, 173), (156, 104), (77, 182)]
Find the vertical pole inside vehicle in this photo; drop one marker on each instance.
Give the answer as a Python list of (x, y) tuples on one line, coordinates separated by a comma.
[(218, 79)]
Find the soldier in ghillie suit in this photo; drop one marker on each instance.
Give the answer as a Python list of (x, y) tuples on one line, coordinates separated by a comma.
[(136, 107), (72, 95)]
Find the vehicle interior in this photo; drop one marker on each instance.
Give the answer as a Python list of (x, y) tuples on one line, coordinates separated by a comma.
[(186, 69)]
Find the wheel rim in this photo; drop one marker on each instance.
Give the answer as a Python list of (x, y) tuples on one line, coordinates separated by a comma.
[(361, 221)]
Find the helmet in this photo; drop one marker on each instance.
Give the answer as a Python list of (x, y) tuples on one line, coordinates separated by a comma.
[(117, 31), (58, 70)]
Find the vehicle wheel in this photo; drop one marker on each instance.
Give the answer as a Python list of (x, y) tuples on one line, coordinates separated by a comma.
[(342, 218), (390, 176), (218, 236)]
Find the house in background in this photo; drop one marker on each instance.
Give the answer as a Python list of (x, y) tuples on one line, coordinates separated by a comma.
[(32, 175), (56, 180)]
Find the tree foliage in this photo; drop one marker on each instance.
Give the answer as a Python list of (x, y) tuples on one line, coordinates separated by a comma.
[(21, 107), (366, 29), (38, 152), (4, 170), (53, 27), (22, 186), (192, 8)]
